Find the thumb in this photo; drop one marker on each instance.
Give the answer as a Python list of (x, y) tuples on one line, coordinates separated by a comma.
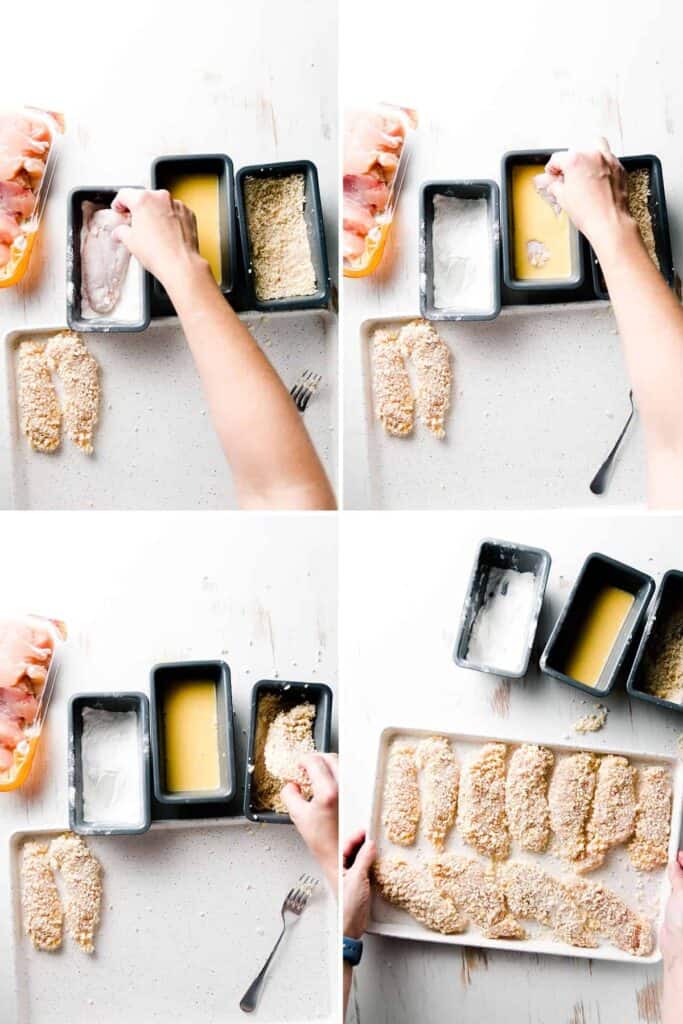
[(365, 858), (556, 188), (676, 875), (122, 234), (293, 800)]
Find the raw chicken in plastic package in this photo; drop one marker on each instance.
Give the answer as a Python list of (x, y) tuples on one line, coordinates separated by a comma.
[(377, 143), (29, 661), (29, 141)]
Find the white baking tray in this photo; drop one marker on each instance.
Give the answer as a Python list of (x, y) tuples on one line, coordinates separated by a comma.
[(529, 424), (183, 934), (644, 892), (155, 446)]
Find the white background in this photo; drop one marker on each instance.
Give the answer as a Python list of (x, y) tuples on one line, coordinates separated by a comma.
[(259, 592), (137, 80), (403, 583), (535, 408)]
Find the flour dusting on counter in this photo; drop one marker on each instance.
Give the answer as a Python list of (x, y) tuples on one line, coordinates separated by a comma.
[(461, 244), (500, 634), (112, 767)]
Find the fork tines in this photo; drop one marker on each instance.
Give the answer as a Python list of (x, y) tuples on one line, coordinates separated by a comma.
[(299, 895), (305, 388)]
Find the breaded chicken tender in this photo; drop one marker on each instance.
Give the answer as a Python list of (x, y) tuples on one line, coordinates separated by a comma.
[(526, 796), (474, 889), (413, 889), (482, 820), (440, 781), (401, 803)]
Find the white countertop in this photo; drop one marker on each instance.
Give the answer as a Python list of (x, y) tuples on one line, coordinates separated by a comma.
[(485, 81), (136, 81), (259, 592), (396, 664)]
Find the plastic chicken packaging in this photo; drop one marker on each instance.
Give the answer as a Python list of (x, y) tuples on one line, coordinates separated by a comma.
[(29, 140), (377, 144)]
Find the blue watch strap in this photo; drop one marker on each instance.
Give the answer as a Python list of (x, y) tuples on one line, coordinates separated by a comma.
[(352, 950)]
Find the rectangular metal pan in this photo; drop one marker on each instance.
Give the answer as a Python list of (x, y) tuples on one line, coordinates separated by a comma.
[(501, 555), (670, 592), (597, 569), (617, 871), (487, 190), (107, 323), (295, 693)]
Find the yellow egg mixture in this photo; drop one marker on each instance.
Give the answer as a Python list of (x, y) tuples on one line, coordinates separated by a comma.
[(534, 220), (200, 192), (598, 633), (190, 725)]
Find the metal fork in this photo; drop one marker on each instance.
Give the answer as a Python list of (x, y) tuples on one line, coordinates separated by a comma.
[(599, 482), (294, 903), (305, 388)]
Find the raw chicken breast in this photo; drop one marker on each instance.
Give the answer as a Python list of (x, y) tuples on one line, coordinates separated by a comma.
[(26, 649), (104, 261), (25, 143)]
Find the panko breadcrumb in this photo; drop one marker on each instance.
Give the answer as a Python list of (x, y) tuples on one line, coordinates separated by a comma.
[(81, 873), (393, 395), (280, 249), (570, 797), (613, 813), (638, 182), (593, 721), (611, 918), (412, 888), (291, 739), (481, 812), (526, 796), (40, 416), (40, 902), (663, 661), (431, 358), (534, 895), (78, 372), (649, 848), (401, 803), (440, 775), (474, 889)]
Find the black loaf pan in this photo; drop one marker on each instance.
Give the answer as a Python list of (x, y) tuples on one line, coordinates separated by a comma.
[(660, 222), (669, 598), (137, 702), (550, 290), (483, 189), (292, 693), (102, 197), (211, 803), (164, 169), (497, 554), (313, 216), (597, 571)]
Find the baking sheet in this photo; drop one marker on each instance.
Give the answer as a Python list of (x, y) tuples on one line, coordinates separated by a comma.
[(155, 447), (530, 420), (178, 938), (643, 891)]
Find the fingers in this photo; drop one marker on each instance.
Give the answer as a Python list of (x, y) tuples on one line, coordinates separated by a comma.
[(558, 162), (323, 781), (680, 858), (126, 199), (293, 800), (676, 873), (365, 858), (122, 234), (351, 847)]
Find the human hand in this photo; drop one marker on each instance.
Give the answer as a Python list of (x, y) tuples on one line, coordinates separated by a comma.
[(317, 819), (671, 935), (358, 856), (162, 233), (591, 186)]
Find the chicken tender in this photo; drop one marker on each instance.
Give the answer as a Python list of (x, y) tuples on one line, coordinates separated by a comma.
[(526, 796), (612, 919), (649, 848), (431, 358), (40, 417), (569, 798), (474, 889), (401, 804), (81, 873), (413, 889), (533, 895), (440, 780), (613, 814), (78, 372), (481, 814), (394, 402), (40, 903)]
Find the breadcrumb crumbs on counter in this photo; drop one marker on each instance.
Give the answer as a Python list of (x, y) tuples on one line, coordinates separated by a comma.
[(592, 722)]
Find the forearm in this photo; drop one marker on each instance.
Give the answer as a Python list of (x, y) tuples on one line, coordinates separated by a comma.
[(348, 981), (269, 451), (650, 322)]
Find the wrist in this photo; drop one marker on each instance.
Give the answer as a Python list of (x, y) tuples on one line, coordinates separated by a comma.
[(185, 275), (615, 237)]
